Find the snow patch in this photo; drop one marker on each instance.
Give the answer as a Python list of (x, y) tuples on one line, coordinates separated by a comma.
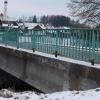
[(93, 94)]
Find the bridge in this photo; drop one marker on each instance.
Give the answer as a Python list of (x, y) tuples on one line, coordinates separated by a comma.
[(52, 59)]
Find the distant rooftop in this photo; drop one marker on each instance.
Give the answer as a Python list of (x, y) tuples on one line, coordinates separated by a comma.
[(5, 1)]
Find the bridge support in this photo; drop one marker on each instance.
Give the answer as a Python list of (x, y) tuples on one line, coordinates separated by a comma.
[(48, 74)]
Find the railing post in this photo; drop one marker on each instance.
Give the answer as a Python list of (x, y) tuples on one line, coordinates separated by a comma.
[(93, 45), (5, 38), (17, 39), (97, 45), (33, 40), (56, 51)]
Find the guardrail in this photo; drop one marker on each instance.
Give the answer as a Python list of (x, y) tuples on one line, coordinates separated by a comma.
[(81, 44)]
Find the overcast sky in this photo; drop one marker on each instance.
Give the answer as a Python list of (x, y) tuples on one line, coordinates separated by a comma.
[(18, 8)]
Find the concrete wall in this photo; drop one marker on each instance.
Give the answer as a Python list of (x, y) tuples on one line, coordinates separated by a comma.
[(47, 74)]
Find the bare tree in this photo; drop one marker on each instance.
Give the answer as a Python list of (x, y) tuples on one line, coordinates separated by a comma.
[(87, 10)]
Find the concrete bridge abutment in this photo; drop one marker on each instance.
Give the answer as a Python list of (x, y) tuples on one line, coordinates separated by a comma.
[(48, 74)]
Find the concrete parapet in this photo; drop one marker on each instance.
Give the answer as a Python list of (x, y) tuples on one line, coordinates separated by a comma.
[(48, 74)]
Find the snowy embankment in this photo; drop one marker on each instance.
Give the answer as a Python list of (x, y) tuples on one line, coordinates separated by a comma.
[(67, 95)]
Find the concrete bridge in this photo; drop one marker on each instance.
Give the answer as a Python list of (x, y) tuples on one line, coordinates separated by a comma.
[(67, 59), (48, 73)]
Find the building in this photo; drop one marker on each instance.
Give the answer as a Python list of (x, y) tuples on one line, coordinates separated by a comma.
[(1, 16), (8, 24), (34, 26)]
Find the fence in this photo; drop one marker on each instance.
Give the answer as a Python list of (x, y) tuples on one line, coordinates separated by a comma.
[(81, 44)]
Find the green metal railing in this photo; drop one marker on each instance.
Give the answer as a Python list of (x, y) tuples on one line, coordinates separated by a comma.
[(81, 44)]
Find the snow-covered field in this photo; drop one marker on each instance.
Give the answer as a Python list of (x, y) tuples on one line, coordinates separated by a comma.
[(65, 95)]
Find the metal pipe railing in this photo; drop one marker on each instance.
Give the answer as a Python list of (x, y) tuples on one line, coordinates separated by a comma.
[(81, 44)]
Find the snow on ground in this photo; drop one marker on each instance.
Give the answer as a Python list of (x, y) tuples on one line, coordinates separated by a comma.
[(66, 95)]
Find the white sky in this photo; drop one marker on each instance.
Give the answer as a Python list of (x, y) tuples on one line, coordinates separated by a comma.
[(17, 8)]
